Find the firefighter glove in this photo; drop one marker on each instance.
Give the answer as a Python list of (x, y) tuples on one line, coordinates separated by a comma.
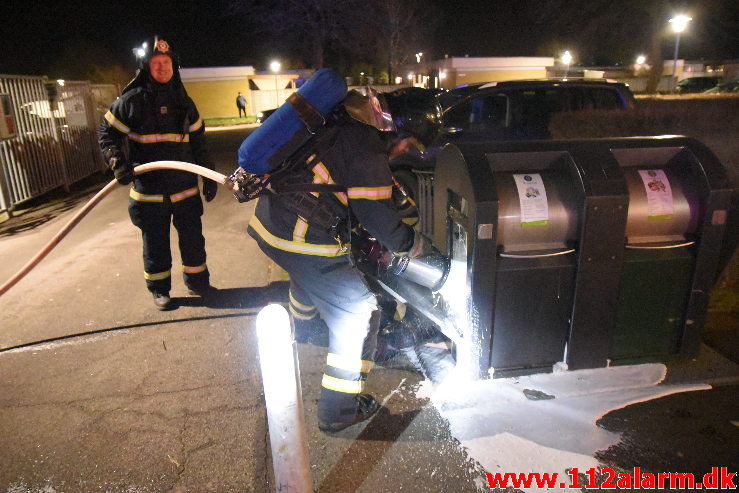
[(122, 171), (421, 247), (210, 188)]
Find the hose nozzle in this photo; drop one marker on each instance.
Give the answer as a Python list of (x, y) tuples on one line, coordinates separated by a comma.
[(428, 268)]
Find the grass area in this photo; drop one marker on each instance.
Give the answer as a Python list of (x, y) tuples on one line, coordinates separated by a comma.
[(220, 122)]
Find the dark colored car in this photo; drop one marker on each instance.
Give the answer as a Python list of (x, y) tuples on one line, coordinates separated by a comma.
[(511, 110), (724, 87), (499, 111), (697, 84), (521, 110)]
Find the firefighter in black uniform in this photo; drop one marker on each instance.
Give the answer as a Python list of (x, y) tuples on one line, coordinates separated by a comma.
[(155, 119), (323, 280)]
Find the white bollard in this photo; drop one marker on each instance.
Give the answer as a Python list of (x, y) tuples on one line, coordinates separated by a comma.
[(278, 358)]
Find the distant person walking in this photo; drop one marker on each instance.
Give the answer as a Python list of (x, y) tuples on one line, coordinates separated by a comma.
[(241, 103)]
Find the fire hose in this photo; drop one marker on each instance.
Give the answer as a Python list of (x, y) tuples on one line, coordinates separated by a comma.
[(423, 275), (144, 168)]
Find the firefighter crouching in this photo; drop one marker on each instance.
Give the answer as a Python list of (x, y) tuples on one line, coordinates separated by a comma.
[(323, 280), (155, 119)]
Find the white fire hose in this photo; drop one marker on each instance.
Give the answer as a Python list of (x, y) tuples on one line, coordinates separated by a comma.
[(291, 468), (144, 168)]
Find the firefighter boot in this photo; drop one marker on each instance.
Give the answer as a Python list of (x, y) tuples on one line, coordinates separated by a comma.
[(202, 291), (198, 284), (333, 418), (162, 301)]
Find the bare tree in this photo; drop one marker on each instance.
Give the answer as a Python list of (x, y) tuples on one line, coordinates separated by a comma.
[(310, 27), (406, 30), (379, 32), (603, 31), (84, 60)]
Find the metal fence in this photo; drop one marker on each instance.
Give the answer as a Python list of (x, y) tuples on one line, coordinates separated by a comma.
[(52, 148)]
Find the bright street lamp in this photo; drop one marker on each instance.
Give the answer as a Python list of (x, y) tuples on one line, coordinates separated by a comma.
[(679, 24), (567, 60), (274, 66), (641, 59), (418, 57), (140, 51)]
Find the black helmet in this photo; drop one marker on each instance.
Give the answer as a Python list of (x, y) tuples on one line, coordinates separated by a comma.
[(159, 47), (144, 55), (415, 112)]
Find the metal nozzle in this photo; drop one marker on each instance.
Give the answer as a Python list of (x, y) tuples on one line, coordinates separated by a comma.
[(430, 271)]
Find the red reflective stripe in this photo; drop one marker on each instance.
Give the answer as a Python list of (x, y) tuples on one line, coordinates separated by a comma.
[(194, 270), (183, 194)]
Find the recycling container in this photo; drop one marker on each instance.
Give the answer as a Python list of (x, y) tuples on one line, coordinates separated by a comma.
[(679, 198), (581, 253), (513, 219)]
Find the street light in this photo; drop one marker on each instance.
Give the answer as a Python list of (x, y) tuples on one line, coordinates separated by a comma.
[(567, 60), (274, 66), (679, 23), (140, 51), (639, 64), (418, 57)]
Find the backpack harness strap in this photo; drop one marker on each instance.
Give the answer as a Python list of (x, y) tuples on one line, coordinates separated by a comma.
[(310, 116)]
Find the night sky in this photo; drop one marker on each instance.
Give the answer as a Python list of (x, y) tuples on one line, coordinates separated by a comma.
[(42, 37)]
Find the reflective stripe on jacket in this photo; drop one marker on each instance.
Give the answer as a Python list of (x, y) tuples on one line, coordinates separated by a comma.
[(175, 197), (358, 161), (157, 122)]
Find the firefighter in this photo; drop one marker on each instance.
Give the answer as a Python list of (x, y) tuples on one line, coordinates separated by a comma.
[(154, 119), (323, 280)]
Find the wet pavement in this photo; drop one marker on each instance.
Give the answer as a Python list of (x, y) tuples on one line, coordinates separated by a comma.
[(124, 398)]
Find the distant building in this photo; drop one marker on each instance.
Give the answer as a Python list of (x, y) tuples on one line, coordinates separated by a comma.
[(214, 89), (451, 72)]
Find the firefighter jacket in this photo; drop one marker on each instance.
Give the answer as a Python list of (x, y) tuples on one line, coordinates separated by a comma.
[(157, 122), (358, 161)]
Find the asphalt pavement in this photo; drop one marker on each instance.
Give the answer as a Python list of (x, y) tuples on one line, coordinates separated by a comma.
[(99, 391)]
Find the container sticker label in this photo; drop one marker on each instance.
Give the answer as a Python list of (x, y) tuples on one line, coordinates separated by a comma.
[(533, 199), (659, 194)]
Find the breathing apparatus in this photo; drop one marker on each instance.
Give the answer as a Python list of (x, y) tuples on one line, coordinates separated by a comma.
[(312, 117), (271, 162)]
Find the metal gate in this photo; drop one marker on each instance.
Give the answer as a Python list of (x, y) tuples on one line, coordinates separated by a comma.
[(52, 148), (78, 128)]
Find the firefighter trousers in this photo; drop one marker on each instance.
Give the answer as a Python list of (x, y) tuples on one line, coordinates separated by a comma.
[(337, 291), (154, 220)]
